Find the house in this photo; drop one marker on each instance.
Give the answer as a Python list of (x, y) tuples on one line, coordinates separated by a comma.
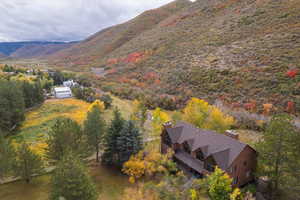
[(69, 83), (62, 92), (199, 151)]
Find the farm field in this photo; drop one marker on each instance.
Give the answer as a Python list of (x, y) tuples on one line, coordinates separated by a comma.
[(39, 120)]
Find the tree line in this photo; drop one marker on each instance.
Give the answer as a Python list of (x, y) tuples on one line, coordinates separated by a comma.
[(15, 97)]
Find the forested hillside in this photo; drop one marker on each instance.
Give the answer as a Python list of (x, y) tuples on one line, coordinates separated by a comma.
[(245, 52)]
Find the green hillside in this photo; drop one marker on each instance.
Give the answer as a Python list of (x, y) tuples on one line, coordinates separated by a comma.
[(246, 52)]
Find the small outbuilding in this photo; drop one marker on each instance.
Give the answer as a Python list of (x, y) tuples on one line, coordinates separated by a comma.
[(62, 92), (69, 83)]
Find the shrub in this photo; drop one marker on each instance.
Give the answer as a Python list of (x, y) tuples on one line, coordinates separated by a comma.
[(107, 100)]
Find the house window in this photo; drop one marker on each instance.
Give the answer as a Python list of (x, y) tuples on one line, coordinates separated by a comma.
[(186, 147), (210, 167), (248, 174), (235, 168), (199, 155), (236, 180), (245, 163), (167, 140)]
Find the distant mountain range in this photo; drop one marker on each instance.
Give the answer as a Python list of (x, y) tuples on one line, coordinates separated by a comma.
[(31, 49)]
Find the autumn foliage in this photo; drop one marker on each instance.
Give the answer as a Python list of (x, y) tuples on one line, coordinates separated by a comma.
[(199, 113), (134, 57), (267, 108), (99, 104), (131, 58), (148, 164), (292, 73), (159, 117), (251, 106), (290, 107)]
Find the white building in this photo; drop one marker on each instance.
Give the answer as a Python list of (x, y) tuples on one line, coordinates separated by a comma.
[(69, 83), (62, 92)]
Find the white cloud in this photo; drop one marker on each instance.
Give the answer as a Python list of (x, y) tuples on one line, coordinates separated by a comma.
[(65, 20)]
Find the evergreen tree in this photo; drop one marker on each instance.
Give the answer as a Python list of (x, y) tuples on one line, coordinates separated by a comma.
[(293, 187), (12, 106), (107, 100), (65, 135), (39, 93), (28, 93), (28, 163), (7, 157), (57, 77), (7, 68), (129, 142), (278, 153), (110, 155), (71, 181), (94, 128), (32, 92)]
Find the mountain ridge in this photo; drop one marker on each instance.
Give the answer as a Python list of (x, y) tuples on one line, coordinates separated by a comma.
[(239, 51), (32, 49)]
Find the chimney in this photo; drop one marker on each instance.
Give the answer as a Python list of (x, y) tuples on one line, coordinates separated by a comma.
[(167, 125), (232, 134)]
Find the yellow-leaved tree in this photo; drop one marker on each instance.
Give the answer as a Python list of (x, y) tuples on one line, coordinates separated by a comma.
[(196, 112), (199, 113), (98, 104), (148, 164), (159, 117), (218, 121)]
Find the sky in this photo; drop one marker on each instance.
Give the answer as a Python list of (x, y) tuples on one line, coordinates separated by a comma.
[(65, 20)]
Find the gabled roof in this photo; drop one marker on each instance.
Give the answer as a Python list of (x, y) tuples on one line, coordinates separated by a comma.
[(222, 148), (62, 89)]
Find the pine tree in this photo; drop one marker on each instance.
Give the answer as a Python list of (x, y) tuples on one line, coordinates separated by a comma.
[(7, 157), (278, 153), (107, 100), (129, 142), (94, 128), (65, 135), (110, 155), (12, 106), (39, 93), (27, 163), (71, 181)]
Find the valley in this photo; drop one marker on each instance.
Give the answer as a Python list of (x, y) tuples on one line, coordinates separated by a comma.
[(192, 100)]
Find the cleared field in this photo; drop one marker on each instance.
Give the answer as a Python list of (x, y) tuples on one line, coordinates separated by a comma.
[(38, 121)]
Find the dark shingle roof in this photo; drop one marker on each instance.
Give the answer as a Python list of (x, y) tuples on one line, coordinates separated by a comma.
[(190, 161), (222, 148)]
